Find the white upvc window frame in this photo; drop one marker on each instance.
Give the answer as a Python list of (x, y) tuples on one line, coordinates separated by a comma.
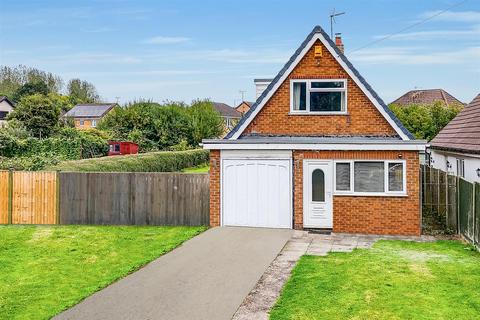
[(310, 89), (94, 123), (386, 192)]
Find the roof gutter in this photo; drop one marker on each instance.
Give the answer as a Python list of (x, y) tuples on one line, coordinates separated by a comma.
[(408, 145)]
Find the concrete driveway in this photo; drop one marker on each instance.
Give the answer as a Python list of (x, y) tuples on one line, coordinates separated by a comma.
[(206, 278)]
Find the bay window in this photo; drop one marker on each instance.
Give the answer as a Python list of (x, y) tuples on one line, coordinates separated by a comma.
[(365, 177), (318, 96)]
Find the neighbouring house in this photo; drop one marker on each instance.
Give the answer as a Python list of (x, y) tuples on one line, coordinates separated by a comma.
[(456, 148), (116, 148), (427, 96), (6, 106), (244, 106), (318, 150), (88, 115), (229, 115)]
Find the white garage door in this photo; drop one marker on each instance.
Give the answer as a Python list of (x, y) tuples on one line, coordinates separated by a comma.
[(256, 193)]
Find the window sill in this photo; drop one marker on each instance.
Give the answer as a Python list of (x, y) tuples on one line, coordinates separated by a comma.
[(329, 113), (370, 194)]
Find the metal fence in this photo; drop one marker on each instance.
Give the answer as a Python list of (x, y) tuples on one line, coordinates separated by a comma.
[(453, 202), (149, 198)]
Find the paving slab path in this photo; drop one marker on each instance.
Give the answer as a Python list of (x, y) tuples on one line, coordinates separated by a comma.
[(207, 277)]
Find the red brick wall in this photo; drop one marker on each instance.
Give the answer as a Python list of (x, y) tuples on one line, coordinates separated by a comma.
[(373, 215), (362, 119), (215, 188)]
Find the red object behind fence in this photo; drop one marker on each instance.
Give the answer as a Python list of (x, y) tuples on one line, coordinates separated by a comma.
[(122, 147)]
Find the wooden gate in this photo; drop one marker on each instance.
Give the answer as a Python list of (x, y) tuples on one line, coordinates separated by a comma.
[(34, 197)]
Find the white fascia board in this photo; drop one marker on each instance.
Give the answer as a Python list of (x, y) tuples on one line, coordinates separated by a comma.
[(319, 36), (319, 146)]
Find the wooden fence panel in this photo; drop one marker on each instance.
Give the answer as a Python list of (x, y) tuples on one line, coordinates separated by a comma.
[(34, 199), (4, 196), (452, 214), (134, 198), (465, 208), (476, 227)]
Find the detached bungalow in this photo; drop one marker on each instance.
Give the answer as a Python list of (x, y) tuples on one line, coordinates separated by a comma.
[(89, 115), (456, 148), (317, 150)]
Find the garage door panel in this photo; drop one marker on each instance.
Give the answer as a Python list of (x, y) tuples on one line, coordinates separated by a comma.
[(256, 193)]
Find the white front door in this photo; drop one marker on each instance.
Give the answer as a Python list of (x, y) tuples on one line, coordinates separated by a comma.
[(317, 194), (257, 193)]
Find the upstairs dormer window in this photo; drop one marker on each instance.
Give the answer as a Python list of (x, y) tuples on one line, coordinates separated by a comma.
[(318, 96)]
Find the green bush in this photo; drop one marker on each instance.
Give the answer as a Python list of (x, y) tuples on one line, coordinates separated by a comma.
[(163, 161), (425, 121), (31, 163)]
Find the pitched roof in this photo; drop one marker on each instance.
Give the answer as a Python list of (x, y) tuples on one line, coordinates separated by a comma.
[(248, 103), (319, 33), (5, 98), (92, 110), (427, 96), (462, 134), (226, 111)]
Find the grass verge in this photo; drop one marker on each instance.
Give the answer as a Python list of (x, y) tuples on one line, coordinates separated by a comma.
[(204, 168), (393, 280), (46, 269)]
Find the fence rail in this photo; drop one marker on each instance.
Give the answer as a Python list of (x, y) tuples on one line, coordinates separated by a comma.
[(104, 198), (455, 201)]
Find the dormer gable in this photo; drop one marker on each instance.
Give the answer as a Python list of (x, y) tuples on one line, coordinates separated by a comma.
[(294, 102)]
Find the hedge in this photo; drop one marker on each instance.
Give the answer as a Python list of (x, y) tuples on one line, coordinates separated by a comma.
[(163, 161)]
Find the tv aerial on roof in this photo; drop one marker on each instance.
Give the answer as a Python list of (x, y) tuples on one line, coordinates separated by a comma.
[(332, 20)]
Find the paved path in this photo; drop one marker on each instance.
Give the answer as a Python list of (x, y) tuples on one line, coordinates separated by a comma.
[(206, 278)]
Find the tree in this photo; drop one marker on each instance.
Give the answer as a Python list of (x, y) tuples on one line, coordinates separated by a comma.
[(30, 88), (426, 121), (39, 114), (206, 121), (82, 91), (12, 78), (172, 125)]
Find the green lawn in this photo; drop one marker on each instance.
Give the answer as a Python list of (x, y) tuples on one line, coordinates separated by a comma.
[(199, 169), (46, 269), (393, 280)]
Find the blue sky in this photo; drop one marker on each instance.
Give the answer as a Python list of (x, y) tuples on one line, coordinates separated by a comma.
[(182, 50)]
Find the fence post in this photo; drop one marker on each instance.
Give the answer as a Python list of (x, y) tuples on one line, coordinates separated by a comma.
[(473, 206), (57, 197), (457, 191), (10, 196)]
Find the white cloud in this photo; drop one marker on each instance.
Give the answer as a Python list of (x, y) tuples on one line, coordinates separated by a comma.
[(165, 40), (457, 16), (95, 58), (415, 56)]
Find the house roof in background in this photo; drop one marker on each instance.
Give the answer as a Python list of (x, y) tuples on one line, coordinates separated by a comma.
[(226, 111), (248, 103), (427, 96), (90, 110), (5, 98), (462, 134), (319, 33)]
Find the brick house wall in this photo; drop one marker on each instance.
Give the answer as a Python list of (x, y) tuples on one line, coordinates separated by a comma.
[(362, 119), (215, 167), (366, 214)]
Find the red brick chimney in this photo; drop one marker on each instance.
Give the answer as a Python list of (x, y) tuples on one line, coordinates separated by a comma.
[(338, 42)]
